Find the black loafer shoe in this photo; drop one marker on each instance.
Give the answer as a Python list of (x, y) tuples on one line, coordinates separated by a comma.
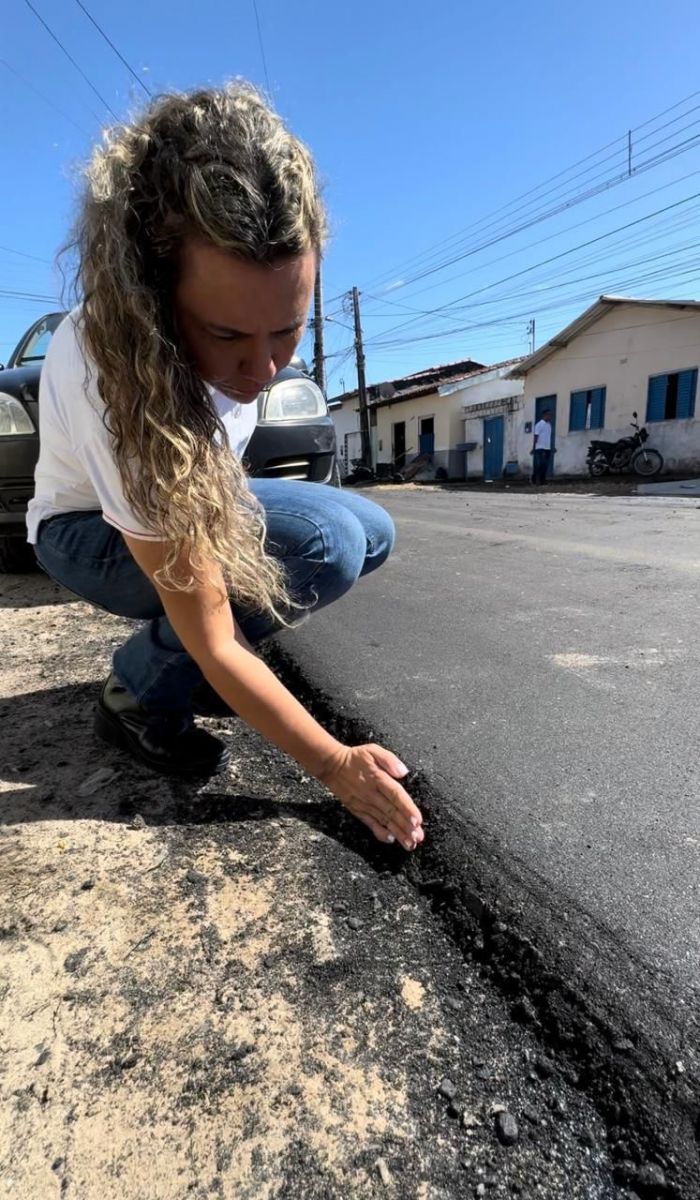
[(208, 703), (165, 742)]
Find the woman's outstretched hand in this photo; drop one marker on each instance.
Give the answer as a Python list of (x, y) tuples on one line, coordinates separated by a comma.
[(366, 781)]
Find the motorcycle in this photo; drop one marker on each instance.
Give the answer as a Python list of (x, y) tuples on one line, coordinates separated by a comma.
[(626, 454)]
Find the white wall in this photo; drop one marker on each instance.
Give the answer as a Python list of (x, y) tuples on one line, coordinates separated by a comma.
[(488, 388), (620, 352), (346, 420), (434, 405)]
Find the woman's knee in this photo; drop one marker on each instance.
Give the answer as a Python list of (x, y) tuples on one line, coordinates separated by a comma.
[(327, 565), (378, 526), (345, 550), (325, 537), (381, 537)]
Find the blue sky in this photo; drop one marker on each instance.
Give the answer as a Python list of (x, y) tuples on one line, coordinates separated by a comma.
[(428, 122)]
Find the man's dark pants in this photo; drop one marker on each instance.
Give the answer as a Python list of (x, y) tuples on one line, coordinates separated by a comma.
[(540, 467)]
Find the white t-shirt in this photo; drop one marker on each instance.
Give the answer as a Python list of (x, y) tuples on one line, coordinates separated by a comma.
[(543, 433), (76, 470)]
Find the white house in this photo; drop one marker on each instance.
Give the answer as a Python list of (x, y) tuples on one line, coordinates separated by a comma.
[(619, 357), (490, 403), (345, 412), (415, 416)]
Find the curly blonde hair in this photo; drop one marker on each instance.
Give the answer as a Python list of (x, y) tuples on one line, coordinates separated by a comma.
[(220, 165)]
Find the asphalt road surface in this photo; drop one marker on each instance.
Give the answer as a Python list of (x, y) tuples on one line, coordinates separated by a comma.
[(537, 656)]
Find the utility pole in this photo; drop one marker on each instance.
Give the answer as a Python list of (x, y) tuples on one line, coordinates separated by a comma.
[(361, 385), (319, 357), (531, 334)]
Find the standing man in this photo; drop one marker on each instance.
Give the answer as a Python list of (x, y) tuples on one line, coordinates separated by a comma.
[(542, 449)]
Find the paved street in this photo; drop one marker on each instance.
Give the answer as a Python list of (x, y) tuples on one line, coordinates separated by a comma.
[(537, 656)]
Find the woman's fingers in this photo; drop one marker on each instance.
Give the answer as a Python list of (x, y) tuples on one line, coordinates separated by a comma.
[(400, 801), (380, 831), (385, 829), (366, 781), (388, 762), (384, 814), (393, 818)]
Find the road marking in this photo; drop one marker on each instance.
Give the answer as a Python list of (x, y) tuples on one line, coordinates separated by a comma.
[(588, 666)]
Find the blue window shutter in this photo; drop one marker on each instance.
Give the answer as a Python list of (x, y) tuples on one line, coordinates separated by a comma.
[(577, 411), (598, 408), (656, 399), (687, 385)]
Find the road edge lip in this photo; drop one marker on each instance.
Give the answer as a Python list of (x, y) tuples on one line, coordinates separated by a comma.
[(562, 972)]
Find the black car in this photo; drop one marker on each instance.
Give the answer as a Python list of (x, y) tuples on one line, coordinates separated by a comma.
[(294, 437)]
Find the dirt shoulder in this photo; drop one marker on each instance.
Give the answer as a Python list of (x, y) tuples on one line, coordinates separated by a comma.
[(228, 990), (616, 485)]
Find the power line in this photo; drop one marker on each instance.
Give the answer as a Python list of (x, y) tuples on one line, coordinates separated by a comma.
[(489, 219), (614, 285), (54, 107), (111, 44), (601, 262), (538, 217), (499, 232), (559, 305), (70, 58), (21, 253), (498, 329), (262, 47), (537, 290), (24, 295), (561, 232), (661, 229), (564, 183), (545, 262), (619, 284), (562, 303), (12, 295), (658, 146), (484, 224), (489, 222), (342, 324)]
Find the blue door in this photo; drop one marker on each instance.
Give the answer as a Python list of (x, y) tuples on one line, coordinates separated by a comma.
[(542, 403), (426, 437), (493, 449)]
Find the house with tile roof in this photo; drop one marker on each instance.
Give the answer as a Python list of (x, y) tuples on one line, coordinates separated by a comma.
[(490, 402), (622, 355), (410, 417)]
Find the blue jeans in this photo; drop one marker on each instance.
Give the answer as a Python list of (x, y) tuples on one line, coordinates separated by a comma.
[(326, 539)]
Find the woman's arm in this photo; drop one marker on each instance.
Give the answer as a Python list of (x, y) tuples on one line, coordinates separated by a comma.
[(364, 778)]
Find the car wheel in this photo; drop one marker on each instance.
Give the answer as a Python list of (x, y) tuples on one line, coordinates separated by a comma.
[(16, 556)]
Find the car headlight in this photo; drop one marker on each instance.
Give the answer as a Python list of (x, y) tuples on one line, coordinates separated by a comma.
[(13, 416), (293, 400)]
